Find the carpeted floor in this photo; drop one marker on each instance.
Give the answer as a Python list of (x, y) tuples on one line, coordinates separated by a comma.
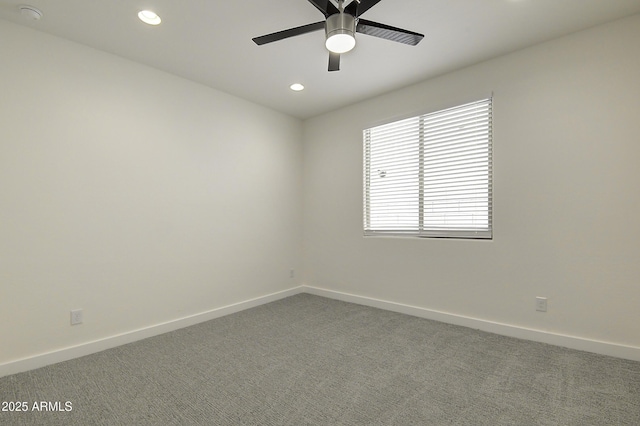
[(307, 360)]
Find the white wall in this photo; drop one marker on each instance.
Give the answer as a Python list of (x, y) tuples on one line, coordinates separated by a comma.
[(135, 195), (566, 200)]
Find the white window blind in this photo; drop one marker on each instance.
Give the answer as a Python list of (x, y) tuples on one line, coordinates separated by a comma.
[(430, 175)]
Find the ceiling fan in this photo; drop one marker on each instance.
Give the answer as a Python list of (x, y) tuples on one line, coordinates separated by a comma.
[(340, 26)]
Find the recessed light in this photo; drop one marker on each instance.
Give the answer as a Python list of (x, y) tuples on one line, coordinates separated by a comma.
[(296, 87), (30, 13), (149, 17)]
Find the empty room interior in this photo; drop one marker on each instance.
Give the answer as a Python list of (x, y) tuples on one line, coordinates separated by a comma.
[(187, 237)]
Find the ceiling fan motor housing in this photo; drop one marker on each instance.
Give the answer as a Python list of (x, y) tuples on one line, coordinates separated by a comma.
[(340, 23), (340, 26)]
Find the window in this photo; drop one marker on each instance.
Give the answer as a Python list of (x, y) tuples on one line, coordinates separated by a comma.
[(430, 176)]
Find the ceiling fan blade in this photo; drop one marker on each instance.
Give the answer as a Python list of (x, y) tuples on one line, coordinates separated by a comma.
[(357, 8), (388, 32), (326, 7), (334, 61), (291, 32)]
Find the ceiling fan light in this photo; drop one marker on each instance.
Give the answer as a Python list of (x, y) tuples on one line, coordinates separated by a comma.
[(340, 43), (340, 29)]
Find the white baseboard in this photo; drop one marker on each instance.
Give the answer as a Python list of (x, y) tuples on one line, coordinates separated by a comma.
[(88, 348), (65, 354), (573, 342)]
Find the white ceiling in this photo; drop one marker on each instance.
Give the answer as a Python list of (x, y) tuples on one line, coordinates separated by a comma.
[(209, 41)]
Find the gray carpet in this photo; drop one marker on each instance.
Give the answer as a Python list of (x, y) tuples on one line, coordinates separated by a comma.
[(307, 360)]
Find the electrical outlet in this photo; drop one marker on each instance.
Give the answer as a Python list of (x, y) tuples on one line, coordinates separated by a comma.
[(76, 316), (292, 273), (541, 304)]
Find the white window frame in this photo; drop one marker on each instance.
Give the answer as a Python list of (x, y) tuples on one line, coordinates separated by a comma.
[(443, 158)]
